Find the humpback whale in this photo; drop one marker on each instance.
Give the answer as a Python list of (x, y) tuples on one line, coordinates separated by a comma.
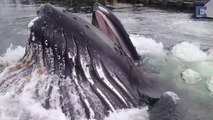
[(94, 62)]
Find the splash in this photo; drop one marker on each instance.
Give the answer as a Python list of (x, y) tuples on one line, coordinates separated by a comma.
[(24, 105), (189, 52), (184, 62), (147, 45), (129, 114), (12, 55)]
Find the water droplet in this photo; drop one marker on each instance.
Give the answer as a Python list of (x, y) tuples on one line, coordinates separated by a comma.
[(46, 42), (33, 38)]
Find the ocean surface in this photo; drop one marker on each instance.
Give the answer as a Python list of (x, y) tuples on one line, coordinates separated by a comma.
[(175, 48)]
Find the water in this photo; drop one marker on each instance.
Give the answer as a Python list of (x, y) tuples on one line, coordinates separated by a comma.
[(171, 45), (14, 18)]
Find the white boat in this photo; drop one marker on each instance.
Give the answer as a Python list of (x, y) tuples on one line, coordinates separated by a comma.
[(206, 10)]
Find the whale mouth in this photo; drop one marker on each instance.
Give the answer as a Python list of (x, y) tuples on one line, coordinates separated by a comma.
[(105, 25), (109, 24)]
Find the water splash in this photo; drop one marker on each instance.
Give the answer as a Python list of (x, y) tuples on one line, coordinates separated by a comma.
[(12, 55), (147, 45), (130, 114), (25, 105), (190, 76), (189, 52)]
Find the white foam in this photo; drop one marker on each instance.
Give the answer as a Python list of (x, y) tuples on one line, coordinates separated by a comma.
[(173, 95), (26, 106), (129, 114), (147, 45), (189, 52), (12, 55), (190, 76)]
